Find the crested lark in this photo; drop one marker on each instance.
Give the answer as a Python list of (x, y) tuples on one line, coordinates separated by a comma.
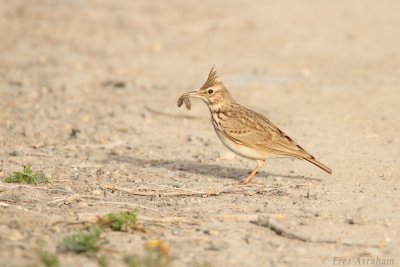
[(244, 131)]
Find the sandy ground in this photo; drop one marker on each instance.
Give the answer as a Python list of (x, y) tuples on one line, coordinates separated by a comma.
[(88, 95)]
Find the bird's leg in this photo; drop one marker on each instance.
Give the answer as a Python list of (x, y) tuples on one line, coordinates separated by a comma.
[(248, 179)]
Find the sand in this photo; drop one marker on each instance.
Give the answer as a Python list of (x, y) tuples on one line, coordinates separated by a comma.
[(88, 95)]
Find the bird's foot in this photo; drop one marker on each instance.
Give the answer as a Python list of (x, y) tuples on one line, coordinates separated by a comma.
[(248, 180)]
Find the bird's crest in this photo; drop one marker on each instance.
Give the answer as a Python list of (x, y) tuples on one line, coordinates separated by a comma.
[(211, 80)]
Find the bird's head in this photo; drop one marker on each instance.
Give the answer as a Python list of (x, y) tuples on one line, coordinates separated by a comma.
[(213, 92)]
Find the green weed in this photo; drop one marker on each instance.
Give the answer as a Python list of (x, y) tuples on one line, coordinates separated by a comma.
[(102, 260), (49, 260), (83, 242), (27, 176), (119, 221)]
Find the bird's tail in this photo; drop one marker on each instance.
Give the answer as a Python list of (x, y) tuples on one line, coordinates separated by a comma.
[(319, 164)]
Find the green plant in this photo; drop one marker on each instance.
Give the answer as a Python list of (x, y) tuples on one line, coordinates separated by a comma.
[(83, 242), (49, 260), (27, 176), (119, 221), (157, 255), (102, 260)]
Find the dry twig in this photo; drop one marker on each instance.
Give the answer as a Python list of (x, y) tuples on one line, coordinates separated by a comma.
[(122, 204), (19, 186), (68, 200), (183, 192), (236, 189), (279, 229)]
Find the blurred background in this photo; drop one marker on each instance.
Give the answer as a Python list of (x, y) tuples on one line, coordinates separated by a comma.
[(69, 65), (326, 54), (96, 83)]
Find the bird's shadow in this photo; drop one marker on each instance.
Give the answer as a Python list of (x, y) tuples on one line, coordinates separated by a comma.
[(218, 171)]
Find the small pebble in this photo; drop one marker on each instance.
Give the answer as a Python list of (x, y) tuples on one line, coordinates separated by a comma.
[(96, 192)]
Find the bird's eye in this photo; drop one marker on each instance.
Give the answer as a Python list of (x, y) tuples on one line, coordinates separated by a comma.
[(210, 91)]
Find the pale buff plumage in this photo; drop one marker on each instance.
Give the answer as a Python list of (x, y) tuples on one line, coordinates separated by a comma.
[(246, 132)]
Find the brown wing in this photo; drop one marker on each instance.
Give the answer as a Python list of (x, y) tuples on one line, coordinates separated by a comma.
[(251, 129)]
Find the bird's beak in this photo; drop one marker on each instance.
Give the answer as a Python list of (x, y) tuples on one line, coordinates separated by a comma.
[(194, 94)]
